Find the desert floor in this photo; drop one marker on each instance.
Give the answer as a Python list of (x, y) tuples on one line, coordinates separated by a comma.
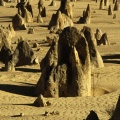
[(17, 88)]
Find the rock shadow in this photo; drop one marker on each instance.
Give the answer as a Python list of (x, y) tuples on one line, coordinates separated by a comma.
[(111, 61), (115, 58), (28, 70), (18, 89), (6, 16), (30, 104)]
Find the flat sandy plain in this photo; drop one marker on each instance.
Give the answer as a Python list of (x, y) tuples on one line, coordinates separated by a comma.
[(17, 88)]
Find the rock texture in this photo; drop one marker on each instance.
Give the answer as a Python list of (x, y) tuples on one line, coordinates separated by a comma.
[(25, 10), (116, 113), (66, 68), (66, 8), (7, 31), (29, 8), (11, 29), (114, 16), (5, 43), (53, 3), (42, 9), (110, 11), (39, 19), (2, 3), (5, 49), (31, 31), (101, 4), (116, 6), (104, 40), (86, 19), (18, 22), (101, 39), (27, 16), (98, 34), (96, 60), (23, 54), (106, 2), (114, 1), (59, 21), (40, 101)]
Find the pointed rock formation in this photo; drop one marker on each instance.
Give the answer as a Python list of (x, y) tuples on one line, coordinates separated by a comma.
[(110, 12), (50, 39), (92, 116), (46, 65), (53, 3), (80, 80), (88, 14), (8, 32), (2, 3), (114, 1), (66, 69), (106, 2), (27, 16), (6, 40), (104, 39), (66, 8), (101, 39), (96, 59), (5, 49), (25, 10), (41, 2), (101, 4), (5, 44), (43, 12), (40, 101), (59, 21), (11, 29), (39, 19), (23, 54), (98, 34), (86, 19), (42, 9), (116, 113), (29, 8), (116, 6), (18, 22)]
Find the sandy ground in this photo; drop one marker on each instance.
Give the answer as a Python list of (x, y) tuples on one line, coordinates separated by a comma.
[(17, 88)]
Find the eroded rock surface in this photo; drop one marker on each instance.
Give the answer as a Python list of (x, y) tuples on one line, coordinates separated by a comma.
[(64, 57), (59, 21)]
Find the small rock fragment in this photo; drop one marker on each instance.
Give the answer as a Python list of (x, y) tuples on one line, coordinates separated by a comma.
[(40, 101)]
